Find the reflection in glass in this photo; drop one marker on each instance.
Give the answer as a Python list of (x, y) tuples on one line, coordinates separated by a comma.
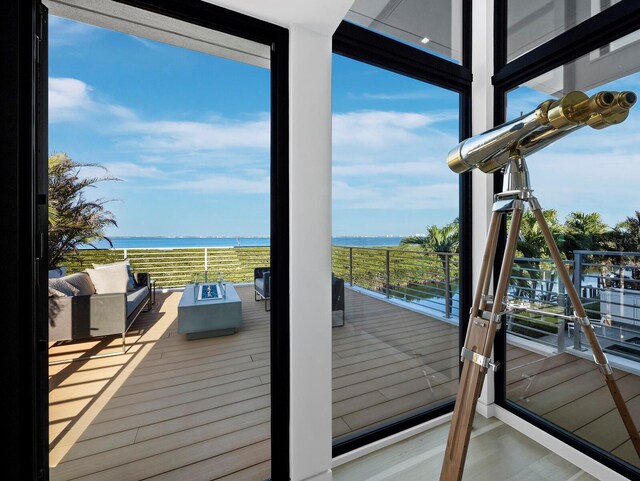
[(432, 26), (394, 255), (587, 186), (530, 24)]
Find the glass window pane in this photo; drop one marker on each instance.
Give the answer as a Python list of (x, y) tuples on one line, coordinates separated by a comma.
[(432, 26), (175, 376), (395, 303), (530, 24), (587, 184)]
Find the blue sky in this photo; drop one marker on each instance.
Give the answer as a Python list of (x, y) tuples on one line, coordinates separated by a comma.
[(188, 135)]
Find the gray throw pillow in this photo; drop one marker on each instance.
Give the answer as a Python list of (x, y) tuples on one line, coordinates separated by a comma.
[(61, 287)]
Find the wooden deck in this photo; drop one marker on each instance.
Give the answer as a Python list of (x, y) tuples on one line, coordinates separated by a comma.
[(571, 393), (177, 409)]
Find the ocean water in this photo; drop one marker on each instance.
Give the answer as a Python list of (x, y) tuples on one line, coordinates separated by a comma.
[(165, 242)]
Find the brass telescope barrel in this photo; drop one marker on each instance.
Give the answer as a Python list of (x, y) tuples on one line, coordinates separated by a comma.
[(550, 121), (615, 113)]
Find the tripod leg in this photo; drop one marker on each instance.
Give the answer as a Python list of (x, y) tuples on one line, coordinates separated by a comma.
[(599, 357), (477, 348)]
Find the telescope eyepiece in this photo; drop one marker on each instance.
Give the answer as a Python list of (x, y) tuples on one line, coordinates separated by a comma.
[(607, 98), (627, 99)]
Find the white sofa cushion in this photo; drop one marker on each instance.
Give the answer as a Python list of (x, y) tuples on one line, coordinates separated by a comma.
[(110, 279), (131, 284)]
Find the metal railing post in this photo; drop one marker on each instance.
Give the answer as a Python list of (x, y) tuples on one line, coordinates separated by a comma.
[(351, 266), (577, 281), (388, 274), (561, 336), (447, 288), (124, 254)]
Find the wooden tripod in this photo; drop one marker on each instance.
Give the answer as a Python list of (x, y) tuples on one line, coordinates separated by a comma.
[(487, 312)]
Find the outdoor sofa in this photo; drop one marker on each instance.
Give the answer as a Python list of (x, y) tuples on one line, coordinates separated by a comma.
[(96, 302)]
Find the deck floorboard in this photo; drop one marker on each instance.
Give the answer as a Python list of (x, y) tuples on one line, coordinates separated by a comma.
[(207, 401)]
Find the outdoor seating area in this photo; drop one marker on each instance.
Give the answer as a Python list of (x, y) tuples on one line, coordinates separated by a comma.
[(97, 302)]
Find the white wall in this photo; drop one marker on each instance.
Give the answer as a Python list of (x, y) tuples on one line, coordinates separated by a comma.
[(481, 120), (311, 25), (310, 237)]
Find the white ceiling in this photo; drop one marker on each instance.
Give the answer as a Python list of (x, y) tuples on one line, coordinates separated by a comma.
[(321, 16), (133, 21)]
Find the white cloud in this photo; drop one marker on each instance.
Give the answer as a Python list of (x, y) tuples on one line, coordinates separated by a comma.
[(223, 184), (163, 135), (601, 181), (396, 196), (375, 129), (126, 170), (421, 168), (417, 95), (64, 32), (69, 99), (147, 43)]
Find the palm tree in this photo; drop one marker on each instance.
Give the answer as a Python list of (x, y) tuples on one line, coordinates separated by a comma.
[(73, 220), (627, 234), (438, 239), (585, 232), (441, 240), (532, 246)]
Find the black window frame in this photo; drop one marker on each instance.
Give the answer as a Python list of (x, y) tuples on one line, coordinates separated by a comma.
[(23, 243), (367, 46), (610, 24)]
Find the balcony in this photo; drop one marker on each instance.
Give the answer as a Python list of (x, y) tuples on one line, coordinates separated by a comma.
[(175, 409)]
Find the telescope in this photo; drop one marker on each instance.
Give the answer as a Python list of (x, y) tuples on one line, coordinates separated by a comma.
[(550, 121), (506, 147)]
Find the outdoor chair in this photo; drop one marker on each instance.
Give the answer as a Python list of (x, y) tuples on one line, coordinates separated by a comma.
[(262, 285), (337, 296), (262, 290)]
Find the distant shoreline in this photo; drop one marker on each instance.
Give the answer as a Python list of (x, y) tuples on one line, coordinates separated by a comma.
[(141, 242)]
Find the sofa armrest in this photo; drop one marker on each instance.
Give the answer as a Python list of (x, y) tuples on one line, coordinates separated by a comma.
[(79, 317), (60, 318), (142, 279), (259, 272), (267, 283)]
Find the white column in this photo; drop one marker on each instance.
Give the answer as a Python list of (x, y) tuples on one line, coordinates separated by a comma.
[(310, 269), (482, 119)]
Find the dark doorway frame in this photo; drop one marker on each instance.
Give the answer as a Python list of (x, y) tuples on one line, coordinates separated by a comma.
[(24, 204)]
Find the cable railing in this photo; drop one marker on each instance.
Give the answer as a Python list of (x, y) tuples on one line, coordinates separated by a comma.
[(177, 267), (426, 279), (608, 284), (423, 279)]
